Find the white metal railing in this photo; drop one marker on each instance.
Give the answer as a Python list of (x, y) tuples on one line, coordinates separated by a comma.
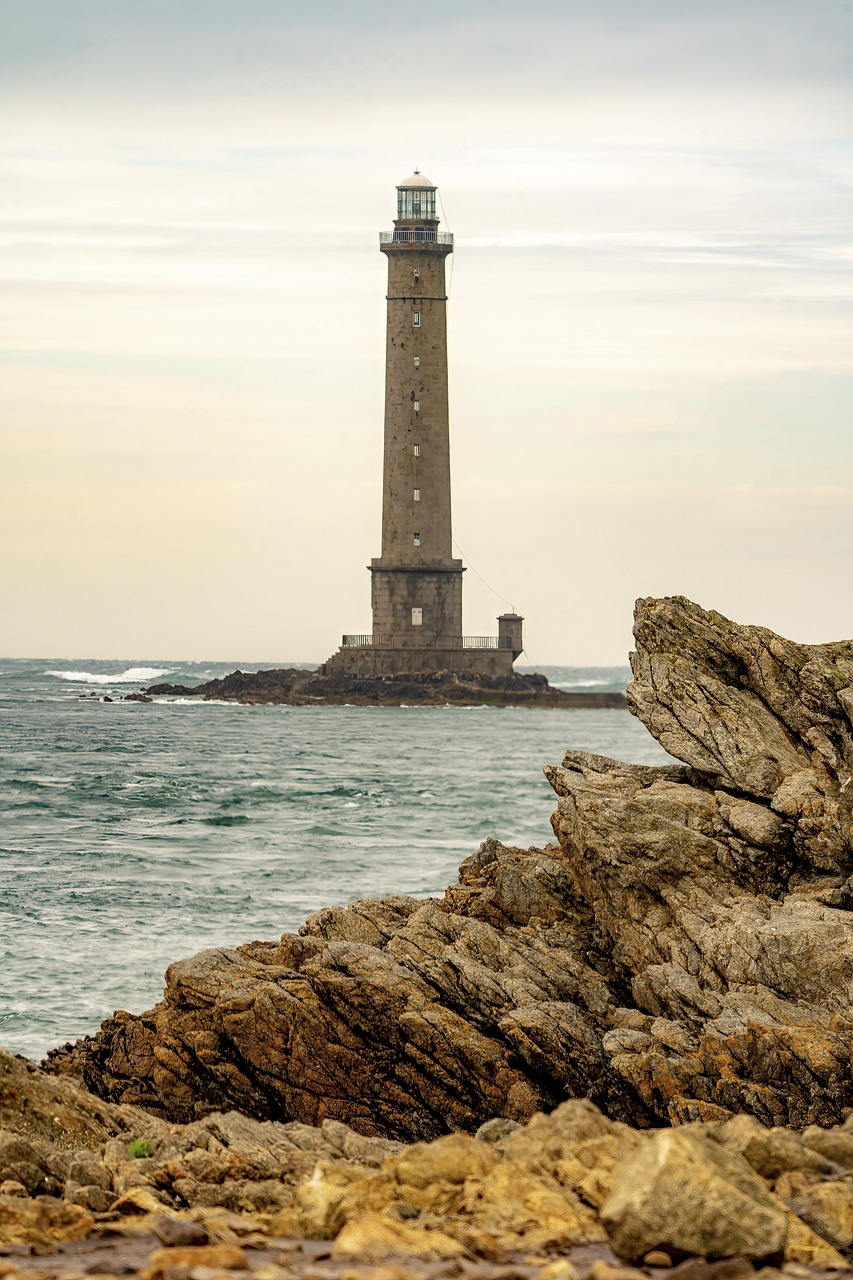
[(415, 235), (409, 640)]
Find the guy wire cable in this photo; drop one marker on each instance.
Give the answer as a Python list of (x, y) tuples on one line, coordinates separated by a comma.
[(482, 579)]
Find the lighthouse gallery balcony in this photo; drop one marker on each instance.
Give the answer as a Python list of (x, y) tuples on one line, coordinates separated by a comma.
[(407, 640), (416, 235)]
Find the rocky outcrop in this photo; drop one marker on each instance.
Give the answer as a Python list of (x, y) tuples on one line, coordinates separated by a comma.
[(295, 687), (684, 952), (93, 1188), (59, 1141)]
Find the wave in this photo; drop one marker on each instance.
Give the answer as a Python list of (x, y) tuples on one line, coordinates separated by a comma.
[(578, 684), (133, 675), (199, 702)]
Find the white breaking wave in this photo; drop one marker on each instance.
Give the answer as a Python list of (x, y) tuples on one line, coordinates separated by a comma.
[(133, 675), (577, 684), (200, 702)]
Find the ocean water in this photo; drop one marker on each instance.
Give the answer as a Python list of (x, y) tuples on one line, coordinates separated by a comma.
[(135, 834)]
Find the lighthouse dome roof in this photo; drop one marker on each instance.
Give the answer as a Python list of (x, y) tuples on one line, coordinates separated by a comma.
[(417, 180)]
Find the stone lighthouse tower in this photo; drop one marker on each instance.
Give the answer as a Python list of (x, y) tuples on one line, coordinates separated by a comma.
[(416, 584)]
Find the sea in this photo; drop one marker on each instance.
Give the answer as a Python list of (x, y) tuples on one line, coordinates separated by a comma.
[(135, 834)]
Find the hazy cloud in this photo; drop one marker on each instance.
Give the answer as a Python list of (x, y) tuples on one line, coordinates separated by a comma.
[(650, 325)]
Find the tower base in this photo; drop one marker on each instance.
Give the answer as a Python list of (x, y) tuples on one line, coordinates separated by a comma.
[(387, 660)]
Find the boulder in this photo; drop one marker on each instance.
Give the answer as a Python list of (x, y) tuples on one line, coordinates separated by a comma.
[(41, 1221), (684, 1194)]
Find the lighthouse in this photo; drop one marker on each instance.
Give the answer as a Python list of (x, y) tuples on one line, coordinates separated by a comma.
[(416, 583)]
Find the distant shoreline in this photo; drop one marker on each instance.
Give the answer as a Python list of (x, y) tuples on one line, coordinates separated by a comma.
[(293, 686)]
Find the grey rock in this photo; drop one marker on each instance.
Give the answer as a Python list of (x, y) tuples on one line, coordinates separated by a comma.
[(175, 1232)]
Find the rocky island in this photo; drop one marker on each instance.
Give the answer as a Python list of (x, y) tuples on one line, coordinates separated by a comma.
[(296, 687), (597, 1059)]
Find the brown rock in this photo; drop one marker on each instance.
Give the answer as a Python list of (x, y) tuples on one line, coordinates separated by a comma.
[(835, 1145), (805, 1248), (828, 1209), (772, 1152), (374, 1238), (452, 1160), (42, 1221), (138, 1200), (683, 1193), (219, 1257), (684, 952)]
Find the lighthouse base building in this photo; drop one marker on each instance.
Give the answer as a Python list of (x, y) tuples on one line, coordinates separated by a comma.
[(416, 584)]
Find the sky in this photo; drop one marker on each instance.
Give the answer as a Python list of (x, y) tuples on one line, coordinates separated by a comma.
[(649, 318)]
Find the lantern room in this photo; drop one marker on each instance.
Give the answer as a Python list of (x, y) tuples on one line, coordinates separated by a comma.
[(416, 199)]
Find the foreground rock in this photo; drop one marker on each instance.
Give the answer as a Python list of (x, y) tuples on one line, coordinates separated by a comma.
[(684, 952), (298, 688), (89, 1187)]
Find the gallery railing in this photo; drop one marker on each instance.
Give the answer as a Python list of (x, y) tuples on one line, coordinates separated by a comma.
[(408, 640), (415, 235)]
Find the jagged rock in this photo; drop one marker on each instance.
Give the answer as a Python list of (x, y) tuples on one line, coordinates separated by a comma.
[(533, 1201), (684, 952), (224, 1160)]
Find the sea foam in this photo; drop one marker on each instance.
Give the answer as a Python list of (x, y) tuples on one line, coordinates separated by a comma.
[(133, 675)]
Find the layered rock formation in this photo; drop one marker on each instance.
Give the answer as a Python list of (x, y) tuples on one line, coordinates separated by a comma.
[(93, 1188), (684, 952), (293, 686)]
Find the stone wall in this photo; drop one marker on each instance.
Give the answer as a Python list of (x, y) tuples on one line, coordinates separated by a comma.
[(385, 661), (437, 592), (416, 413)]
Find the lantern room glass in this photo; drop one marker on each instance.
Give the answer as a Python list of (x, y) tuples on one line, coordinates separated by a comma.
[(416, 203)]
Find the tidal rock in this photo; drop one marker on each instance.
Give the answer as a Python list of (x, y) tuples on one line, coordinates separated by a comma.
[(684, 952), (294, 686)]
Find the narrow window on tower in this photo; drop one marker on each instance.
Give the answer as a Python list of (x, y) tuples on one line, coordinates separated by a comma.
[(416, 537), (417, 362), (417, 617), (416, 319), (416, 405), (416, 450), (417, 495), (417, 272)]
